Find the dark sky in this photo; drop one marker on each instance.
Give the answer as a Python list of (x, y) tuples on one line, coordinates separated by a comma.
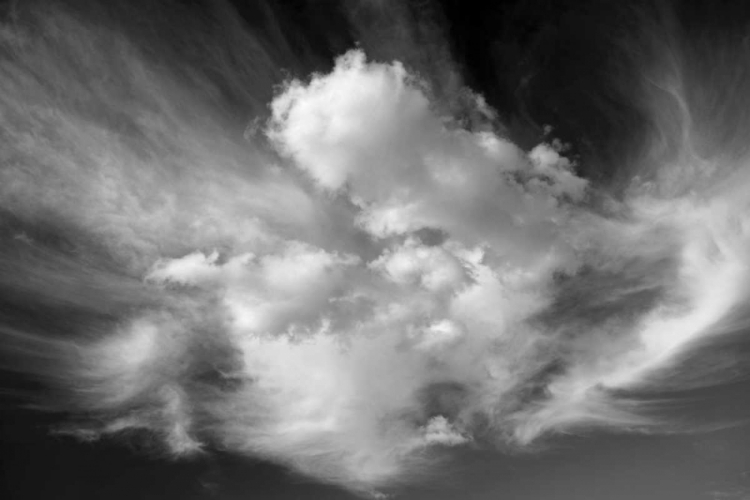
[(568, 63)]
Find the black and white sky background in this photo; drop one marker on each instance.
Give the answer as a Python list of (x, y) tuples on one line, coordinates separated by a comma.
[(351, 249)]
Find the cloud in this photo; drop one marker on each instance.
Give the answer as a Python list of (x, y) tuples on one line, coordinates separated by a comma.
[(353, 290)]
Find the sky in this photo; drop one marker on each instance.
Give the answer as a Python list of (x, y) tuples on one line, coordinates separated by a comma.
[(374, 249)]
